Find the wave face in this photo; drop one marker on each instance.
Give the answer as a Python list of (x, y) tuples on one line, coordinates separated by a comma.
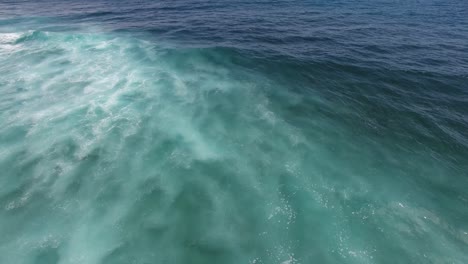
[(233, 132)]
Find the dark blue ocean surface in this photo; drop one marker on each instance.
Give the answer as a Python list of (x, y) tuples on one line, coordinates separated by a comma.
[(233, 132)]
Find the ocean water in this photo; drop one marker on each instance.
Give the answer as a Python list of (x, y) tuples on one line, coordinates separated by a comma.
[(286, 132)]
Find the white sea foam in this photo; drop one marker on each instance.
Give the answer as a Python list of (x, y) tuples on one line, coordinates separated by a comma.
[(7, 42), (9, 38)]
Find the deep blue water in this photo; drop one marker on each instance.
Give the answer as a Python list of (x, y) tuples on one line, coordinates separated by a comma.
[(234, 131)]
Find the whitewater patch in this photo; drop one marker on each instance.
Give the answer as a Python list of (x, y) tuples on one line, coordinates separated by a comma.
[(8, 42), (9, 38), (103, 115)]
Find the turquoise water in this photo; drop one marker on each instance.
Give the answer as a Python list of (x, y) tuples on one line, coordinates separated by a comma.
[(262, 132)]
